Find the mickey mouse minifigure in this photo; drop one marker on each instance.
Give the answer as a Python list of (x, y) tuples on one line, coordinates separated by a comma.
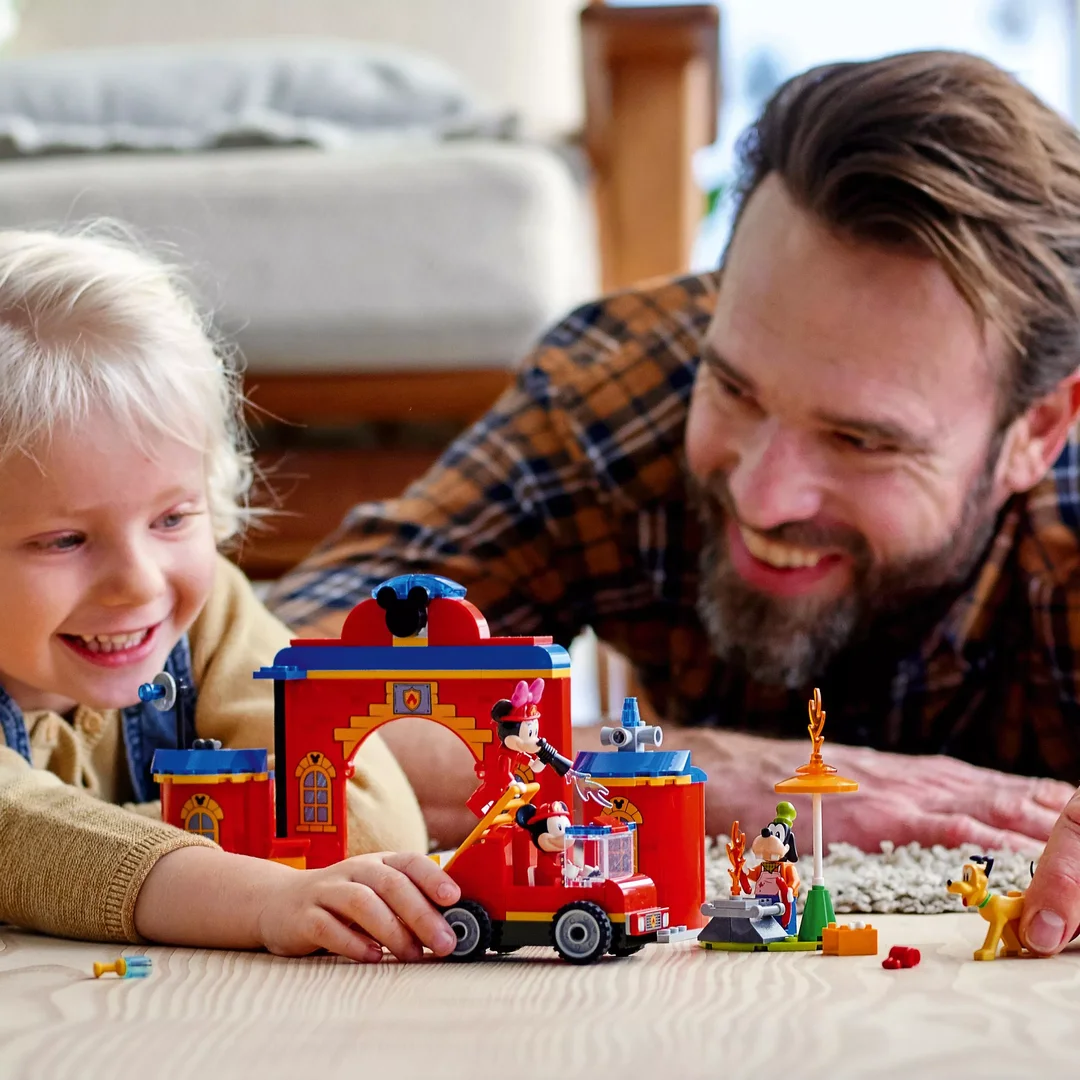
[(774, 878), (547, 826), (518, 729)]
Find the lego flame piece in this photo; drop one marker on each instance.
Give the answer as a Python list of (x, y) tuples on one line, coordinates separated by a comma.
[(816, 727), (735, 852), (816, 777)]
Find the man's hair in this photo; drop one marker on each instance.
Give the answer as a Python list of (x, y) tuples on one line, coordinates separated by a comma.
[(90, 325), (944, 153)]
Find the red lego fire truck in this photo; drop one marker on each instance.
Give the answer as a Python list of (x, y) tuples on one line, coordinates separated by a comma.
[(592, 903)]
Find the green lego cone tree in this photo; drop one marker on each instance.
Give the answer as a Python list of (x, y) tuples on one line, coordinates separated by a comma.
[(815, 779)]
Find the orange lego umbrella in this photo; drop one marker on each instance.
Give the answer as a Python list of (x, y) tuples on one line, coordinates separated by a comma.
[(816, 778)]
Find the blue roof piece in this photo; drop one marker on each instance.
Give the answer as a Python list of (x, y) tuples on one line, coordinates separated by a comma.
[(208, 762), (280, 671), (435, 585), (413, 662), (616, 764), (597, 830)]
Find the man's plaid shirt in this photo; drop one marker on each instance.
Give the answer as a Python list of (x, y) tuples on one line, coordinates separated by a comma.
[(566, 507)]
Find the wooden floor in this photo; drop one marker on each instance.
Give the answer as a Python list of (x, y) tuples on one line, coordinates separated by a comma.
[(673, 1012)]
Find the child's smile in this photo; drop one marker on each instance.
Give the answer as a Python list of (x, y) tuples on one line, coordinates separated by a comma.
[(107, 556), (113, 650)]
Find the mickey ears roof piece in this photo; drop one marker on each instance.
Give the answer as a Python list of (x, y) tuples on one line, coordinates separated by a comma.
[(404, 617)]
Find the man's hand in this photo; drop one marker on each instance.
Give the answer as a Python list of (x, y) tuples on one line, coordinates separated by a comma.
[(939, 800), (1052, 902), (902, 798)]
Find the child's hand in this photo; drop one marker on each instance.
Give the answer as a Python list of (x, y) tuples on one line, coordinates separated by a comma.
[(355, 906)]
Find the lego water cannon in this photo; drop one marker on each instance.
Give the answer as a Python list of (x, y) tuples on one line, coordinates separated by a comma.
[(632, 736), (164, 692)]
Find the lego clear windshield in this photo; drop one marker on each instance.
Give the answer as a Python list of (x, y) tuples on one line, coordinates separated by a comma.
[(598, 853)]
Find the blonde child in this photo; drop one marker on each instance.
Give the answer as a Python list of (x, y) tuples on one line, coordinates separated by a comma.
[(123, 469)]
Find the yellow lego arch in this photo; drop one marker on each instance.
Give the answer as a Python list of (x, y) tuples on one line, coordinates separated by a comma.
[(360, 727)]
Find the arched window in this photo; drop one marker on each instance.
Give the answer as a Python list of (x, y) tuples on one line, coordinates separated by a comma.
[(315, 797), (203, 824), (202, 816), (315, 774)]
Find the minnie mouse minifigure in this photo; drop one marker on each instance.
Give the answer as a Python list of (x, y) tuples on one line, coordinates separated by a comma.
[(518, 728)]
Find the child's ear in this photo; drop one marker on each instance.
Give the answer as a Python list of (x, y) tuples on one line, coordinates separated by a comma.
[(1035, 439)]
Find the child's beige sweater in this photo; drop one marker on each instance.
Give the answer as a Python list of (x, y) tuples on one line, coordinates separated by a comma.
[(72, 862)]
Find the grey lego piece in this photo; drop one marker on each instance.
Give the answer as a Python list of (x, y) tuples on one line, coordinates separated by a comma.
[(676, 933), (742, 920), (743, 931), (740, 907)]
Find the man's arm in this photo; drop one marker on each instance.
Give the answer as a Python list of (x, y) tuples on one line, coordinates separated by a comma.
[(525, 508), (901, 797)]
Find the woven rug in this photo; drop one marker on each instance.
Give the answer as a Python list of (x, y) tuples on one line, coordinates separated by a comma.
[(906, 880)]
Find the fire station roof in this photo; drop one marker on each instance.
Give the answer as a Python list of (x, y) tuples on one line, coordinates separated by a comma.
[(208, 762), (492, 658), (650, 763)]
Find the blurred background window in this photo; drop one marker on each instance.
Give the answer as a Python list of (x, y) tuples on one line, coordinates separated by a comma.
[(763, 42)]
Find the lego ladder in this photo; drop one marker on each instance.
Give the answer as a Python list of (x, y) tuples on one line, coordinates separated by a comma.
[(501, 813)]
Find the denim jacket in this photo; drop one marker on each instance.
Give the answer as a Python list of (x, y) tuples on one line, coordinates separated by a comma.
[(145, 728)]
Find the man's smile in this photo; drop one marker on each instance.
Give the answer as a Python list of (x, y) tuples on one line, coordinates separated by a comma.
[(777, 568)]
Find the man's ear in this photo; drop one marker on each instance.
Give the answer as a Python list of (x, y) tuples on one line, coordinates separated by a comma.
[(1035, 439)]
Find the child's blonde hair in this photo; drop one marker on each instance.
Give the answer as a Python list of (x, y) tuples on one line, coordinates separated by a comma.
[(90, 322)]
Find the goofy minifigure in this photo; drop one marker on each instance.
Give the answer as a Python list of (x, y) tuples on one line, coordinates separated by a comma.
[(775, 878), (518, 729)]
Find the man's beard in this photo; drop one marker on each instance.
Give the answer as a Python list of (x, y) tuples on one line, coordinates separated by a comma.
[(791, 641)]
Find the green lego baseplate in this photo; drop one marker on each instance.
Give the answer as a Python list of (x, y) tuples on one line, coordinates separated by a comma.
[(790, 944)]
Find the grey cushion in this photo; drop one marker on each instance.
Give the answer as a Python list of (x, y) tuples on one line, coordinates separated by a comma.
[(425, 255), (323, 93)]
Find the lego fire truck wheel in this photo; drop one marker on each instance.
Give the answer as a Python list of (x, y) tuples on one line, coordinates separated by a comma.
[(581, 932), (626, 950), (471, 924)]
